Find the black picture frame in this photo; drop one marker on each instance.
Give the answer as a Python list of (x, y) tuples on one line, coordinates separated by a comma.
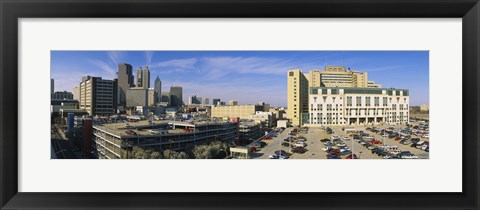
[(10, 198)]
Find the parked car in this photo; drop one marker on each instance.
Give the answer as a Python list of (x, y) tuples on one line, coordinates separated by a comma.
[(411, 156), (299, 150), (329, 144), (300, 144), (415, 140), (351, 156), (333, 156), (345, 152), (325, 140)]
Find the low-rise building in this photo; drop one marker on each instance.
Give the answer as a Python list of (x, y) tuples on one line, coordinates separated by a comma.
[(357, 106), (115, 140), (242, 111)]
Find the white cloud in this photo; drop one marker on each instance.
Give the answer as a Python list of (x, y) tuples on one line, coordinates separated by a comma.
[(149, 56), (109, 71), (188, 63), (117, 57)]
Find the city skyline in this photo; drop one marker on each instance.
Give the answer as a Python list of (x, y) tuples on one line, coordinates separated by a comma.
[(246, 76)]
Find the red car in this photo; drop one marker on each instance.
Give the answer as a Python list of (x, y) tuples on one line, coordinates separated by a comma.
[(334, 151), (267, 138), (352, 155), (398, 138)]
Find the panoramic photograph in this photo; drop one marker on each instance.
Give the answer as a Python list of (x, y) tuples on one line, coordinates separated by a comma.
[(239, 105)]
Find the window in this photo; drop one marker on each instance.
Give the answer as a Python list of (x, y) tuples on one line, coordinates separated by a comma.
[(367, 101), (349, 101), (385, 102), (377, 101), (290, 74), (359, 101)]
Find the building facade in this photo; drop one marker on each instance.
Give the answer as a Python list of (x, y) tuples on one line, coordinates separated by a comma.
[(338, 76), (297, 85), (62, 95), (76, 93), (98, 96), (151, 97), (125, 82), (232, 102), (357, 106), (215, 101), (194, 100), (176, 96), (137, 96), (143, 77), (241, 111), (109, 141), (52, 86), (158, 90), (165, 99)]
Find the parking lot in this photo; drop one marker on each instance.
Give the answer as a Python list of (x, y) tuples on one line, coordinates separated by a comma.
[(362, 141)]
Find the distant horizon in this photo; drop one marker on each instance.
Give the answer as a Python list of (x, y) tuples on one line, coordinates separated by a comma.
[(246, 76)]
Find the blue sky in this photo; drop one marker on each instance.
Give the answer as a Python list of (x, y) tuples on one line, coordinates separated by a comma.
[(246, 76)]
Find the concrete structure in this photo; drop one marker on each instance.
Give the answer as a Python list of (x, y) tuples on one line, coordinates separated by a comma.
[(424, 108), (206, 101), (242, 111), (137, 96), (232, 103), (283, 123), (125, 82), (372, 84), (111, 141), (268, 118), (98, 96), (215, 101), (52, 86), (165, 99), (57, 104), (143, 77), (62, 95), (249, 131), (158, 90), (151, 97), (176, 96), (357, 106), (337, 76), (194, 100), (240, 152), (297, 86), (76, 93)]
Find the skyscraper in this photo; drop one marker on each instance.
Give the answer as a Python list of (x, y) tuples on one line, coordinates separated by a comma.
[(158, 90), (125, 82), (176, 94), (52, 86), (143, 77), (139, 77), (146, 77), (98, 96), (297, 97)]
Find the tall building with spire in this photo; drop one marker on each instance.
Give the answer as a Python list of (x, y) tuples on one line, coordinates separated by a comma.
[(143, 77), (158, 89)]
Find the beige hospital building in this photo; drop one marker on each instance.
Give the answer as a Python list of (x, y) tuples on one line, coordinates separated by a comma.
[(339, 96)]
